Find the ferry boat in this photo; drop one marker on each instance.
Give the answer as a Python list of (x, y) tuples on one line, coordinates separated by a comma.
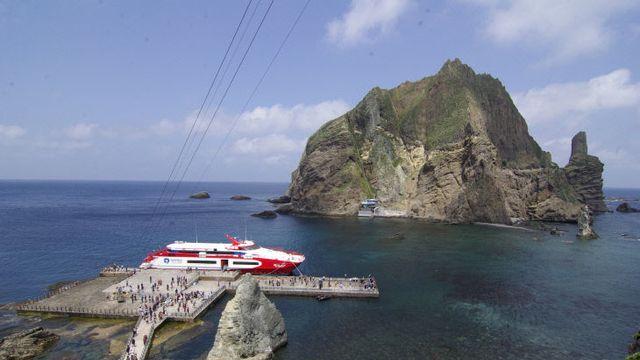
[(242, 255)]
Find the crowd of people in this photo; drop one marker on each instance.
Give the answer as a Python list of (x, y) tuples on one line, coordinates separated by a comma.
[(303, 281), (155, 303)]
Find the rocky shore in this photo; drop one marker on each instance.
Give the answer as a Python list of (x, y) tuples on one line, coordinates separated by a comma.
[(448, 148), (26, 344), (250, 326)]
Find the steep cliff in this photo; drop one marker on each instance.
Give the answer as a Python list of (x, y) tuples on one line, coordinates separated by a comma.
[(450, 147)]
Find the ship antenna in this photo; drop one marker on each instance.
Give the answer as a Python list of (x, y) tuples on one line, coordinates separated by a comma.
[(196, 224), (245, 229)]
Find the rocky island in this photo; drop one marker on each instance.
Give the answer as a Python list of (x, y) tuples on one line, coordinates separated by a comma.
[(448, 148), (250, 326)]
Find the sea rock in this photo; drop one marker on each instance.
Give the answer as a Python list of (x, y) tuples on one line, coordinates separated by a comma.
[(250, 326), (634, 347), (240, 197), (284, 209), (584, 173), (280, 199), (200, 195), (267, 214), (585, 230), (447, 148), (626, 208), (26, 344)]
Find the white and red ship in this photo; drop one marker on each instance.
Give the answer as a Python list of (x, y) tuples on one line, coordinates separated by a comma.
[(243, 255)]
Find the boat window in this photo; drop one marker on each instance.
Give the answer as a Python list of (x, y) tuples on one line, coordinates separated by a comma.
[(202, 261), (246, 263)]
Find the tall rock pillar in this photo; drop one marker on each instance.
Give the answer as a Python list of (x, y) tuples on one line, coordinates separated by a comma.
[(584, 172)]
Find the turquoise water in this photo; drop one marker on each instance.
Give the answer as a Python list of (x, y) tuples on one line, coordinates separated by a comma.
[(448, 291)]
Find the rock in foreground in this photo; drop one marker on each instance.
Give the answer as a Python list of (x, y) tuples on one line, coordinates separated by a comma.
[(250, 326), (240, 197), (585, 230), (267, 214), (26, 344), (200, 195), (626, 208)]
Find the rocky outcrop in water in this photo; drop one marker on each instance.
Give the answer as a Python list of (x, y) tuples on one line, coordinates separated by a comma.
[(240, 197), (266, 214), (250, 326), (626, 208), (634, 348), (280, 199), (585, 222), (584, 173), (449, 148), (26, 344), (200, 195)]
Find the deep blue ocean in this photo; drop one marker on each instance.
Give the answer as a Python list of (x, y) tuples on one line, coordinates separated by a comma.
[(448, 291)]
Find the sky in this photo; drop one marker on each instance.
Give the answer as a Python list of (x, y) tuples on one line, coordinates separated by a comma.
[(109, 90)]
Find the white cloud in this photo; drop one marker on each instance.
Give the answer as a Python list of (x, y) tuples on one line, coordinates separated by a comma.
[(81, 131), (11, 131), (267, 146), (365, 20), (556, 101), (566, 28), (278, 118)]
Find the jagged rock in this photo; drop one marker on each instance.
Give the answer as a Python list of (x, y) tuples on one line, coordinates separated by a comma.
[(250, 326), (200, 195), (634, 347), (240, 197), (267, 214), (449, 148), (280, 199), (284, 209), (26, 344), (585, 231), (626, 208), (584, 173)]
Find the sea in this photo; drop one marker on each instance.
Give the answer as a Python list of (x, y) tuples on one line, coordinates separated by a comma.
[(447, 291)]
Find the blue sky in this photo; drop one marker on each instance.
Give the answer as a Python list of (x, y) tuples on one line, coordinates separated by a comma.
[(109, 89)]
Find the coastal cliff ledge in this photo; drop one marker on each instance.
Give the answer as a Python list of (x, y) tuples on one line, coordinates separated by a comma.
[(451, 147)]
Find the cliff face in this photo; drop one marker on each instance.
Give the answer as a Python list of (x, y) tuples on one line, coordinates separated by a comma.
[(250, 326), (451, 147)]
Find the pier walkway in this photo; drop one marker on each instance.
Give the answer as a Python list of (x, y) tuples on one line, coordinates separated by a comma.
[(154, 296)]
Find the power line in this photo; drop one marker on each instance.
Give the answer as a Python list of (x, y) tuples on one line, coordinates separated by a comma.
[(255, 89), (175, 164), (224, 95)]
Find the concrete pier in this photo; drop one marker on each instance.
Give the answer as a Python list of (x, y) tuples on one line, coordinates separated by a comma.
[(156, 295)]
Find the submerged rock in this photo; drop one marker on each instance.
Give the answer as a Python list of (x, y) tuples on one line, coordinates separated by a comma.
[(280, 199), (200, 195), (451, 147), (26, 344), (250, 326), (240, 197), (267, 214), (585, 230), (626, 208)]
